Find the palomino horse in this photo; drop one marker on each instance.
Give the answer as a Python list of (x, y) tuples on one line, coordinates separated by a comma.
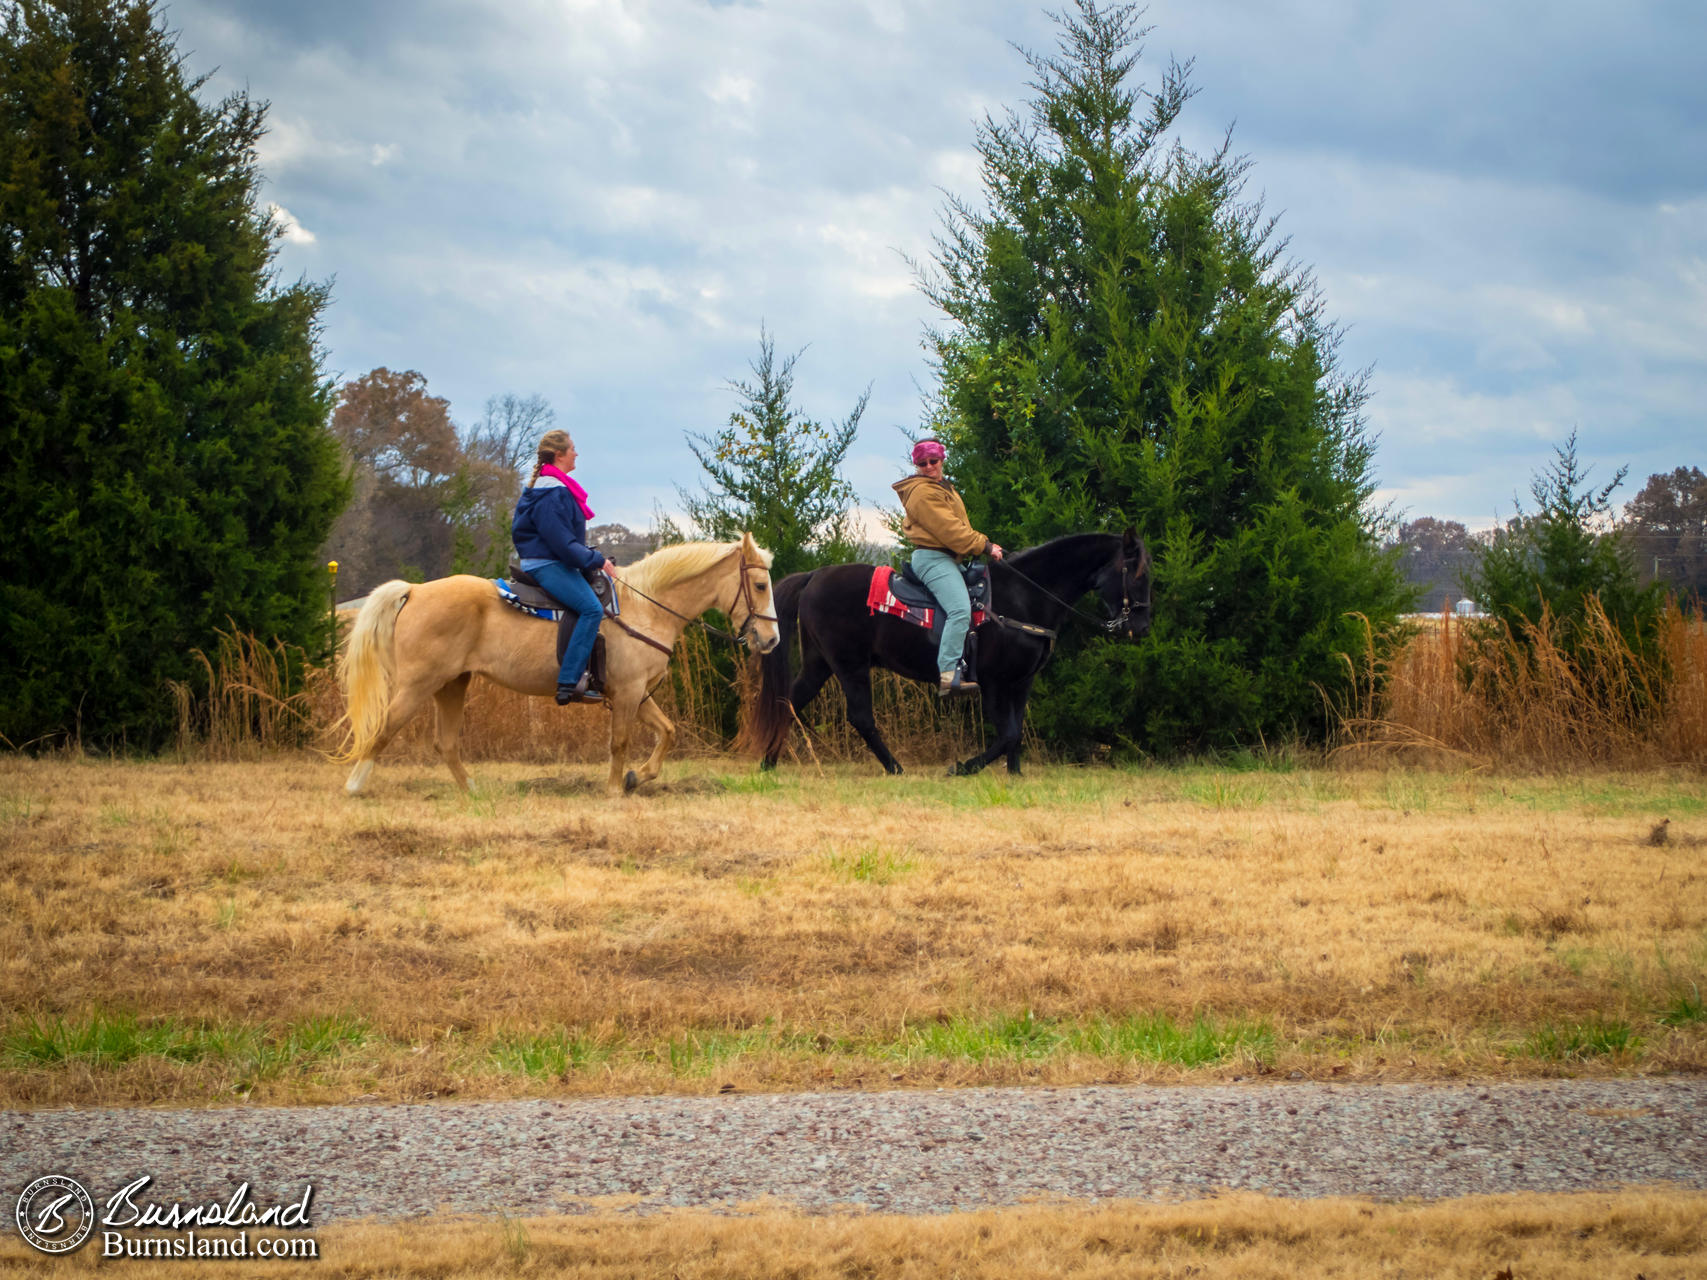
[(411, 642)]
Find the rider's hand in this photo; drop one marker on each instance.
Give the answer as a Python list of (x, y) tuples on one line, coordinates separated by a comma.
[(995, 551)]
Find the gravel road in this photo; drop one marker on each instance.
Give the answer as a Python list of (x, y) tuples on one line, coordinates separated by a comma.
[(900, 1152)]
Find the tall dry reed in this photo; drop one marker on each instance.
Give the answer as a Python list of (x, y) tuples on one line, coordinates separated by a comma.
[(251, 701), (1472, 687)]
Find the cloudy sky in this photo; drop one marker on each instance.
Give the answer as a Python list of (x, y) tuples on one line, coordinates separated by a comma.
[(602, 201)]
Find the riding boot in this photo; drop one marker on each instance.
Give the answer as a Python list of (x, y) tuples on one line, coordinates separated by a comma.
[(580, 691), (950, 683)]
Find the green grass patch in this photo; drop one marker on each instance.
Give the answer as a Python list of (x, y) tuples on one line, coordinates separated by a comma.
[(1019, 1036), (1684, 1007), (1638, 797), (1153, 1038), (104, 1040), (765, 783), (867, 864), (1222, 791), (702, 1052), (1580, 1040), (549, 1056)]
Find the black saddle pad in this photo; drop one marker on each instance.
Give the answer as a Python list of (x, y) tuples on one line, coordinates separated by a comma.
[(910, 591)]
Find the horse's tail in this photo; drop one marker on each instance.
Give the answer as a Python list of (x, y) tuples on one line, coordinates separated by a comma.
[(368, 667), (770, 715)]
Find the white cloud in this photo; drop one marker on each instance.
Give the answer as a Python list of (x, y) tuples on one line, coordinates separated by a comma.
[(732, 88), (868, 526), (602, 200), (294, 231)]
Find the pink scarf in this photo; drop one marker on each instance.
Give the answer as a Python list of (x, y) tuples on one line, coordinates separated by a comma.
[(575, 490)]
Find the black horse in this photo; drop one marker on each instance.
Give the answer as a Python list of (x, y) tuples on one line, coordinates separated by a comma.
[(1033, 592)]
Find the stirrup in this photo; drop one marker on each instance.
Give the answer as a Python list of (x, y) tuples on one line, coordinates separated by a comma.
[(580, 691), (957, 684)]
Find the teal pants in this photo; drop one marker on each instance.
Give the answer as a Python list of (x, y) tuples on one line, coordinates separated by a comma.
[(941, 573)]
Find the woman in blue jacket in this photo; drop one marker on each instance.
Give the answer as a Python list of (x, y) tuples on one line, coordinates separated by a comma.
[(550, 533)]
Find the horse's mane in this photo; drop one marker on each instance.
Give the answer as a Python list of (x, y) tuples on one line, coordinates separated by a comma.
[(669, 565), (1057, 545)]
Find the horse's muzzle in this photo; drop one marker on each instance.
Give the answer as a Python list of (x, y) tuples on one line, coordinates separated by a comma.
[(757, 643)]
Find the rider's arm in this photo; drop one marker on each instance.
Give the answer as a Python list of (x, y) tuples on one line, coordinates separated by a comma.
[(552, 521)]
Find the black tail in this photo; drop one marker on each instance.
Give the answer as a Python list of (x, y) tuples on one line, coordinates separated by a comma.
[(771, 716)]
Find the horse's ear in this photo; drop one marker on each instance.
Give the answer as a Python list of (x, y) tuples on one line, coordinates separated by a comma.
[(1130, 538)]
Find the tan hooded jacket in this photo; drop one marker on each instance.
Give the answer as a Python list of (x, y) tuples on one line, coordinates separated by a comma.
[(936, 517)]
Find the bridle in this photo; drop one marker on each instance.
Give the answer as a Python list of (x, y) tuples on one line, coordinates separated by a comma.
[(746, 597), (1117, 622), (1123, 619), (743, 595)]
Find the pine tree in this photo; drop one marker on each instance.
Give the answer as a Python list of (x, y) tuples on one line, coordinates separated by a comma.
[(1126, 343), (776, 473), (1553, 559), (162, 410)]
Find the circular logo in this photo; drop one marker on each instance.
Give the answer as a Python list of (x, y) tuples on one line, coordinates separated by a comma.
[(55, 1214)]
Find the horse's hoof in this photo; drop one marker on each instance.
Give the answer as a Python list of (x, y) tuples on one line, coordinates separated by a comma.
[(630, 780), (895, 770), (955, 771)]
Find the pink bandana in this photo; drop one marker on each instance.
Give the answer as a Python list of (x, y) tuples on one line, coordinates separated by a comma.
[(928, 451), (575, 490)]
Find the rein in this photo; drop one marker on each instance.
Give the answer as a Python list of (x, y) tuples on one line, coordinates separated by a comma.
[(659, 645)]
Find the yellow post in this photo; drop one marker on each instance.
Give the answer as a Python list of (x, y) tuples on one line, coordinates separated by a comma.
[(332, 586)]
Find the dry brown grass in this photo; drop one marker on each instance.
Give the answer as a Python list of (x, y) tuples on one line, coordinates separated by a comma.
[(1467, 689), (1653, 1234), (828, 926)]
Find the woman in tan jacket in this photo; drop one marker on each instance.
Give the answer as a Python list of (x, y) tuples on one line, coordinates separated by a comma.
[(937, 526)]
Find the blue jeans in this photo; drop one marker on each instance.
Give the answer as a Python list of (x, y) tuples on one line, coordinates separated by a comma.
[(941, 573), (571, 591)]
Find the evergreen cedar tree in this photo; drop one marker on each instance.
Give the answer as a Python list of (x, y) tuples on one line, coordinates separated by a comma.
[(162, 410), (1554, 558), (1125, 343), (777, 473)]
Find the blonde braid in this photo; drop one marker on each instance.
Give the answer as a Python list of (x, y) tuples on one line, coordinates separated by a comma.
[(551, 444)]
